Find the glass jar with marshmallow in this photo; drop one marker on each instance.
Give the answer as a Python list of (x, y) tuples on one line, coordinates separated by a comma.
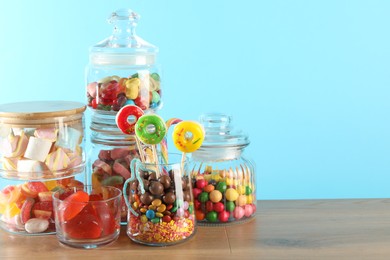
[(41, 151)]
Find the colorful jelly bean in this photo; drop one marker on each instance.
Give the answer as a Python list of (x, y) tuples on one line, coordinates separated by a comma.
[(112, 93)]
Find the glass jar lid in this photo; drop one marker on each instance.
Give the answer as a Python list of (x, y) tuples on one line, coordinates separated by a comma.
[(40, 112), (123, 47), (219, 132)]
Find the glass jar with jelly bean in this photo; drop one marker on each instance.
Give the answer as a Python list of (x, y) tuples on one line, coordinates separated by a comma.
[(160, 202), (41, 151), (223, 179), (109, 160), (122, 69)]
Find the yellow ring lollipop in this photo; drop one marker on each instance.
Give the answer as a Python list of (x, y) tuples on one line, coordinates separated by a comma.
[(188, 136)]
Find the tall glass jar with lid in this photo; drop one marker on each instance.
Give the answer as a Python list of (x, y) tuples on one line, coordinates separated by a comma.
[(223, 179), (41, 151), (122, 70)]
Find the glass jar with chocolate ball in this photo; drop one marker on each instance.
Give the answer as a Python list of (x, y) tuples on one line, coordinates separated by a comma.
[(161, 209), (223, 178)]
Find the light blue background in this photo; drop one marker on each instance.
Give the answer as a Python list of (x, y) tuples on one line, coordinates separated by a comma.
[(307, 80)]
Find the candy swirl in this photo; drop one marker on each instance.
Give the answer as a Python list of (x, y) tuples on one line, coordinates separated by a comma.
[(124, 114), (150, 129), (188, 136)]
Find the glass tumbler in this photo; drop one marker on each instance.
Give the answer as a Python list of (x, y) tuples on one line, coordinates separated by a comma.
[(87, 218)]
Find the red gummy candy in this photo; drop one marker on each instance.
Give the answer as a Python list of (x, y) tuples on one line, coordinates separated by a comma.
[(95, 197), (73, 205), (84, 225), (26, 209), (43, 205), (106, 218), (37, 187)]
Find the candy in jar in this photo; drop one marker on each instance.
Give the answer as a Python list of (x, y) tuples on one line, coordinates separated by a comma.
[(41, 151), (161, 210), (122, 69), (223, 179)]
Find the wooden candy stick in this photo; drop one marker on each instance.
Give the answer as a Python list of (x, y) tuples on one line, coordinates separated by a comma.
[(151, 130), (126, 119), (187, 137)]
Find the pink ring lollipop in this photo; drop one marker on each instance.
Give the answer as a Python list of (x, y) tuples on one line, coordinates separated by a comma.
[(124, 114)]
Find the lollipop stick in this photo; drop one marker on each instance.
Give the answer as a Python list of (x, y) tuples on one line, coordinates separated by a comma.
[(155, 158), (183, 159), (140, 149)]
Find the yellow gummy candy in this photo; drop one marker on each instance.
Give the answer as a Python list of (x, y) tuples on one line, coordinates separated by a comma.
[(11, 210)]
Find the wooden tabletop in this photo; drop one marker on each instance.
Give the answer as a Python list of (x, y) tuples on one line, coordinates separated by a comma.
[(296, 229)]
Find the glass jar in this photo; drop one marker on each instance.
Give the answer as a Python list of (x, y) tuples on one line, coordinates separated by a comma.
[(109, 160), (223, 180), (122, 69), (160, 202), (41, 151)]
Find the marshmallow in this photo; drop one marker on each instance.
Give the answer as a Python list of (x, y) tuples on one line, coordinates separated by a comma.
[(15, 145), (57, 160), (47, 133), (69, 138), (4, 131), (31, 168), (10, 164), (37, 149), (74, 160)]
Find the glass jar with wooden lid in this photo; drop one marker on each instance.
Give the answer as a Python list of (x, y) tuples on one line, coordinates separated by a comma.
[(41, 151)]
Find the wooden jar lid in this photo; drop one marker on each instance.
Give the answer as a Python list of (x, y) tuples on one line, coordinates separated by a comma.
[(40, 112), (41, 109)]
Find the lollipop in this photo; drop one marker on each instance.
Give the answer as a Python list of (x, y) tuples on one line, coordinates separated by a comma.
[(151, 130), (187, 136), (126, 119)]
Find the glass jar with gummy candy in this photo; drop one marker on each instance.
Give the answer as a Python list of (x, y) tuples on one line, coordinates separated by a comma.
[(223, 180), (86, 217), (41, 150), (109, 160), (26, 207), (122, 69)]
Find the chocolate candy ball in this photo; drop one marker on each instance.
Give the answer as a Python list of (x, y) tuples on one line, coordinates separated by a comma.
[(203, 196), (187, 196), (212, 216), (156, 188), (230, 206), (169, 198), (186, 184), (221, 186), (134, 185), (215, 196), (165, 181), (231, 194), (146, 185), (144, 175), (152, 176), (223, 216), (146, 198)]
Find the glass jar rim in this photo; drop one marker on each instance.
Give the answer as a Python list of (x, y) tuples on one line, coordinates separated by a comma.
[(89, 189)]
